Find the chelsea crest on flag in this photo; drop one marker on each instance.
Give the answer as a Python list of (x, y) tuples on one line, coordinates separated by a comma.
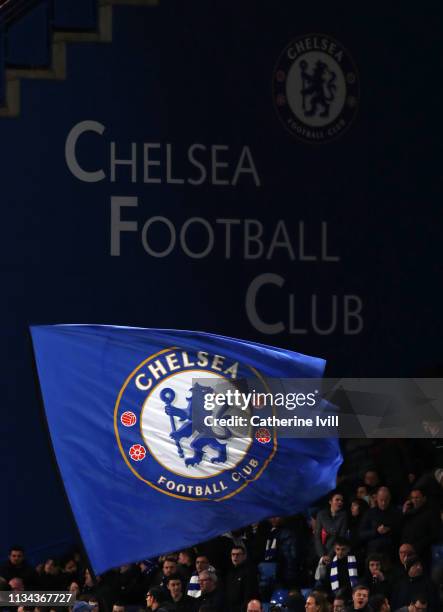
[(141, 479)]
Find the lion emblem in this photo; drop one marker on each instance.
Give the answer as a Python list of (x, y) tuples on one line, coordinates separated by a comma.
[(318, 88), (203, 439)]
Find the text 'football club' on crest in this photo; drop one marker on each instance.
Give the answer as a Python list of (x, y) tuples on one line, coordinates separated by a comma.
[(155, 420), (315, 88)]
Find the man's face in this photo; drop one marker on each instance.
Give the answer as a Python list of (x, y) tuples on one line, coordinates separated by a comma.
[(16, 557), (71, 566), (50, 567), (362, 492), (184, 558), (336, 503), (371, 478), (404, 552), (338, 605), (254, 606), (118, 608), (417, 498), (169, 568), (385, 607), (207, 584), (355, 509), (341, 551), (201, 564), (175, 588), (237, 556), (374, 567), (150, 602), (360, 598), (383, 499)]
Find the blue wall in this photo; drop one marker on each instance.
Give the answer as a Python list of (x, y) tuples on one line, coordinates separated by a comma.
[(203, 73)]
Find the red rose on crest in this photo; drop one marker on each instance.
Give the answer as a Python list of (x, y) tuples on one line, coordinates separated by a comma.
[(137, 452)]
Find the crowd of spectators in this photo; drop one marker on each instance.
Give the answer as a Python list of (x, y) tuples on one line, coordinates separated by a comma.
[(375, 544)]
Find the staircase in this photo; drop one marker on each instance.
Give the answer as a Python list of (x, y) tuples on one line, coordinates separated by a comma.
[(34, 35)]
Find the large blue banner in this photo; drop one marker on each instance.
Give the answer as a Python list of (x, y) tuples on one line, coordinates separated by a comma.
[(140, 480)]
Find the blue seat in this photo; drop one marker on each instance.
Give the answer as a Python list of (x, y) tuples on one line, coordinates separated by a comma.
[(305, 592), (267, 572)]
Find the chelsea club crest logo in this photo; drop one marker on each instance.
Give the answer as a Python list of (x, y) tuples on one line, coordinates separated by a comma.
[(155, 420), (315, 88)]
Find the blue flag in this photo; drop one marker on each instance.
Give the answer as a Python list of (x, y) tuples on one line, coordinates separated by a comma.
[(141, 482)]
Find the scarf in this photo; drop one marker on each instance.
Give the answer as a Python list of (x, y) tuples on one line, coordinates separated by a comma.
[(352, 572), (271, 546)]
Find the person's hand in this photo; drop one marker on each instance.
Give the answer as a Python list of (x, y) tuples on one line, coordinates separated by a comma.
[(325, 560), (382, 529), (407, 506), (379, 575)]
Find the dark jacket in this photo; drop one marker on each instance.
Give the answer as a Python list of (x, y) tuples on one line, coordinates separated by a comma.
[(374, 517), (215, 599), (241, 586), (328, 527), (421, 528), (186, 604), (377, 587), (23, 571), (408, 589)]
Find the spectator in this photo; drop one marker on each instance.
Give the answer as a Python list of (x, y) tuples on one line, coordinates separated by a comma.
[(338, 604), (340, 574), (358, 509), (118, 607), (360, 599), (50, 576), (186, 562), (415, 584), (284, 548), (254, 606), (210, 593), (181, 600), (201, 564), (421, 523), (241, 581), (74, 587), (331, 523), (169, 568), (372, 480), (380, 525), (316, 602), (17, 567), (379, 603), (405, 551), (125, 582), (374, 578), (362, 492), (70, 572), (418, 605), (155, 597)]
